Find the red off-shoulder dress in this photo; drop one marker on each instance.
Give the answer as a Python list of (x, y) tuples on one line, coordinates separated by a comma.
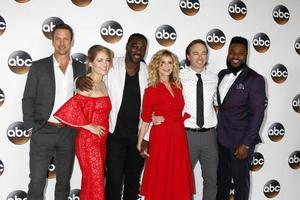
[(90, 149)]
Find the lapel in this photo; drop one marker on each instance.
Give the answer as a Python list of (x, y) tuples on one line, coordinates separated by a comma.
[(50, 72), (75, 69), (142, 79), (221, 76), (240, 79)]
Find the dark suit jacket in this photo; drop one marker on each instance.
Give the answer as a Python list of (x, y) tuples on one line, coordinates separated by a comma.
[(242, 111), (39, 92)]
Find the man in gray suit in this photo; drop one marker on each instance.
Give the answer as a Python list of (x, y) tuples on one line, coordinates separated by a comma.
[(49, 84)]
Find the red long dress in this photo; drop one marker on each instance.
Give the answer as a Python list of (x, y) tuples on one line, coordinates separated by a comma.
[(89, 148), (168, 171)]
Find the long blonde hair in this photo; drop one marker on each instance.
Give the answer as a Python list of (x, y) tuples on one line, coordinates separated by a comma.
[(154, 64)]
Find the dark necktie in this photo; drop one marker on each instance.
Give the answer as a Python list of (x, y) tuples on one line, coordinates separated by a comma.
[(200, 116)]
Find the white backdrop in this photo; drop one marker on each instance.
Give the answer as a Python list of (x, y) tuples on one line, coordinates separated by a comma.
[(273, 31)]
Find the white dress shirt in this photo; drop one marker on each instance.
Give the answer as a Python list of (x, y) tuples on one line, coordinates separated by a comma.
[(226, 83), (189, 83), (63, 86)]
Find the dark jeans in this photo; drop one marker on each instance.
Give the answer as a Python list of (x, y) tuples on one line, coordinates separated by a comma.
[(124, 166)]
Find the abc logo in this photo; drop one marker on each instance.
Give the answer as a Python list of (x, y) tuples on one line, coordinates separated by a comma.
[(281, 14), (51, 169), (165, 35), (74, 194), (297, 45), (111, 31), (2, 25), (17, 195), (137, 5), (261, 42), (215, 39), (17, 134), (1, 168), (279, 73), (257, 161), (182, 64), (2, 97), (19, 62), (49, 24), (22, 1), (294, 160), (81, 3), (80, 57), (189, 7), (237, 9), (276, 132), (271, 188), (296, 103)]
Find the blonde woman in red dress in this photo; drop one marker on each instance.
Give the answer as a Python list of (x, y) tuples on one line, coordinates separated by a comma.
[(89, 112), (168, 172)]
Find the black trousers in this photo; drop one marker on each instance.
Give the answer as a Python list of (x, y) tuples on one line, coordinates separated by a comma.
[(231, 168), (44, 144), (124, 168)]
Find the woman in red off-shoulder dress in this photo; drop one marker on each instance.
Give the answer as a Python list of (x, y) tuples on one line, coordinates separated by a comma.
[(89, 111), (168, 170)]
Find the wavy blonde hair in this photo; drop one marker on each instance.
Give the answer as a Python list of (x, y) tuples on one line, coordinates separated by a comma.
[(154, 64)]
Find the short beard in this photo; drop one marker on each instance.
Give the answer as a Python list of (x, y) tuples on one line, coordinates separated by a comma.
[(233, 69)]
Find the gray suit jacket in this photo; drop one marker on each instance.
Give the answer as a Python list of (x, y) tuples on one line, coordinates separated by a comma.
[(39, 92)]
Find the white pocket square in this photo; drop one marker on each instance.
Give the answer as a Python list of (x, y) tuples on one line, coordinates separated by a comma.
[(240, 86)]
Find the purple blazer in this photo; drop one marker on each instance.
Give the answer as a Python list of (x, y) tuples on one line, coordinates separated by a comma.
[(242, 111)]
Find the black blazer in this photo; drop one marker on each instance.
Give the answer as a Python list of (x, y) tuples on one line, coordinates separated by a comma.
[(39, 92)]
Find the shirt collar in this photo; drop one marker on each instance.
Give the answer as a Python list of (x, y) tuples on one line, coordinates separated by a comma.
[(194, 72), (56, 64)]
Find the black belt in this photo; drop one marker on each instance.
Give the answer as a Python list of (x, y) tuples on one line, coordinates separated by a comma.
[(199, 129), (56, 125)]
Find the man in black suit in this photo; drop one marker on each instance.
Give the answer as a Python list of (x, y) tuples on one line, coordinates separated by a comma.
[(241, 99), (49, 84)]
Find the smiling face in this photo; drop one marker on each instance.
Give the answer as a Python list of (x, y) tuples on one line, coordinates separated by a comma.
[(101, 64), (197, 56), (165, 67), (237, 55), (62, 42), (135, 50)]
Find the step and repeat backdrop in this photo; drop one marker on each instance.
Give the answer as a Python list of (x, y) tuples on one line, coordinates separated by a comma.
[(271, 27)]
